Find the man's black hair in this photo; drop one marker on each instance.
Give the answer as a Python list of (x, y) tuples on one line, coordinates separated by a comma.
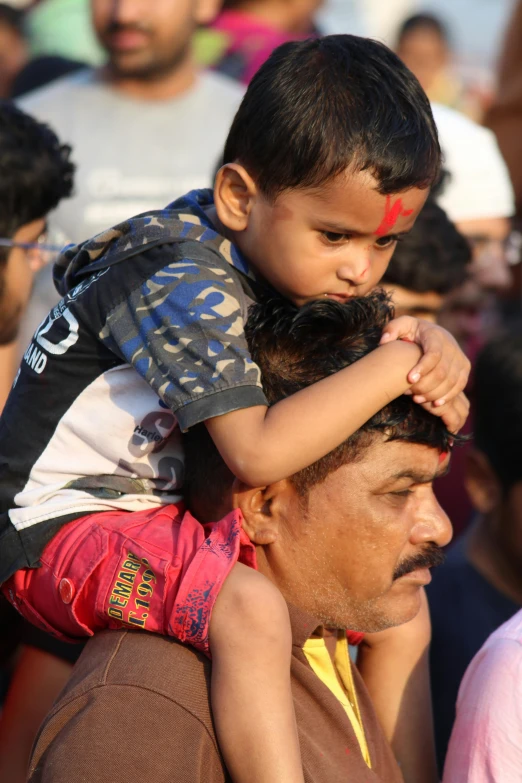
[(423, 21), (14, 18), (35, 170), (319, 107), (497, 398), (295, 348), (434, 256)]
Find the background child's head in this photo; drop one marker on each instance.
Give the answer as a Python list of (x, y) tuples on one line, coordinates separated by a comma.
[(329, 158), (430, 262), (494, 467)]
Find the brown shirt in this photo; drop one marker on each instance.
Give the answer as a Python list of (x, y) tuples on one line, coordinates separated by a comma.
[(137, 708)]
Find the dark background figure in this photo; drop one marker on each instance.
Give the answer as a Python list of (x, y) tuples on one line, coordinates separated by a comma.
[(19, 73), (480, 585), (35, 174), (428, 263)]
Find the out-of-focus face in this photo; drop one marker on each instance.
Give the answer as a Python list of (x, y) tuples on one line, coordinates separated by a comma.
[(17, 279), (425, 53), (425, 305), (335, 241), (13, 56), (358, 552), (489, 274), (304, 12), (147, 39)]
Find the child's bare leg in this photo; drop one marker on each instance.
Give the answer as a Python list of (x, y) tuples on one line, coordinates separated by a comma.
[(250, 641)]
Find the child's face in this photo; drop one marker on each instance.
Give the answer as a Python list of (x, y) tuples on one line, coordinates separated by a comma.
[(335, 241)]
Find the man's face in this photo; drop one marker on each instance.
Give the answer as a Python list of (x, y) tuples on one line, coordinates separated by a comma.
[(426, 305), (17, 279), (335, 241), (489, 273), (359, 551), (148, 39)]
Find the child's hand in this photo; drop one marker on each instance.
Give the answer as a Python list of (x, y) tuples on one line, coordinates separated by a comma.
[(442, 372)]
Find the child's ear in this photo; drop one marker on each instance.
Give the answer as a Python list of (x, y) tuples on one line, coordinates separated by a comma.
[(262, 509), (481, 482), (234, 192)]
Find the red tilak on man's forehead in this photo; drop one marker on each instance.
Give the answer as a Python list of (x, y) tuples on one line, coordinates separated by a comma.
[(392, 212), (442, 456)]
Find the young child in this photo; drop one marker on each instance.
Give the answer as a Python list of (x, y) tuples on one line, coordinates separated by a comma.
[(329, 160)]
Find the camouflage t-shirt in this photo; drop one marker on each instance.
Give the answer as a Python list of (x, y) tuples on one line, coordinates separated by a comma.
[(147, 340)]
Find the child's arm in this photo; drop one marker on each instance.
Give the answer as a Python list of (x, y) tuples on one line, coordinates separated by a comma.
[(394, 665), (252, 704), (263, 445)]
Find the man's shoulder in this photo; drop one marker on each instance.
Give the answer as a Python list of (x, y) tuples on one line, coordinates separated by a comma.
[(52, 95), (221, 88), (140, 660)]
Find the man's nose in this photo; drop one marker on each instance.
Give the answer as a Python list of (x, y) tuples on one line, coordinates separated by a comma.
[(432, 525), (128, 11)]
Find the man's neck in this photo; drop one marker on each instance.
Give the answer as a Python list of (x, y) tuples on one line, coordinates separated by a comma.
[(495, 565), (162, 88)]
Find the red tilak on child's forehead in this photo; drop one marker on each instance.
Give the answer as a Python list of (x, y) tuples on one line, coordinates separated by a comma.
[(392, 212)]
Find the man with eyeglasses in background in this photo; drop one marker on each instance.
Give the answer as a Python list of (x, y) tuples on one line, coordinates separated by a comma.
[(35, 175)]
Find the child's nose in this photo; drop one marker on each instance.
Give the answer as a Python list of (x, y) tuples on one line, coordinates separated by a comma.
[(357, 272)]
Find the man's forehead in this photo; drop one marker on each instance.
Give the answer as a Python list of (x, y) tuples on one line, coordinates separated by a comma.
[(392, 460)]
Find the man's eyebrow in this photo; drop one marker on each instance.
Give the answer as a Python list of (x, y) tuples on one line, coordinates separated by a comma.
[(417, 476)]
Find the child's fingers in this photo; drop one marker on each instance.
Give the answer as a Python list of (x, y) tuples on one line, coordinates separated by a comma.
[(402, 328), (453, 414), (427, 363), (444, 381)]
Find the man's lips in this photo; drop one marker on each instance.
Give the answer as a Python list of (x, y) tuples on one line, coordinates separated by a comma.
[(419, 565), (340, 297), (127, 40), (421, 576)]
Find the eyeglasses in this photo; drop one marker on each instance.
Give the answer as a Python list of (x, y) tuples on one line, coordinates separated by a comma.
[(48, 251)]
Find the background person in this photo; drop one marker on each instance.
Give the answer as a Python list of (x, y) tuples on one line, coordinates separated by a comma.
[(424, 45), (480, 585), (429, 262), (348, 540), (146, 128), (249, 30)]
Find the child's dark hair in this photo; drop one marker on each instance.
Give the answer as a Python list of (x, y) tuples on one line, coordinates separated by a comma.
[(434, 256), (319, 107), (497, 397)]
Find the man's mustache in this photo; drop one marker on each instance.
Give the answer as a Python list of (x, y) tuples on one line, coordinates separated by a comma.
[(431, 557), (116, 27)]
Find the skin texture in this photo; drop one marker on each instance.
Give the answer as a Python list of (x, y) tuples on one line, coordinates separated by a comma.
[(314, 243), (337, 554), (17, 279), (149, 43)]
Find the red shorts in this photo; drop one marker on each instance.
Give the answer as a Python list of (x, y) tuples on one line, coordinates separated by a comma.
[(159, 570)]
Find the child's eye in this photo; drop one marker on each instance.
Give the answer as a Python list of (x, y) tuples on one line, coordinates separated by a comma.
[(334, 238), (387, 241)]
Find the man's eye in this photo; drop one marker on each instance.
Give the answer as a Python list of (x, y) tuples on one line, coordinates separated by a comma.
[(403, 493), (334, 238), (387, 241)]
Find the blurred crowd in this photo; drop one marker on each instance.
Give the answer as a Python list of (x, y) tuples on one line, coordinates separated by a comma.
[(91, 134)]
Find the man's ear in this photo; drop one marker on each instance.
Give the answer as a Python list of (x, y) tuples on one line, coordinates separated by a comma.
[(263, 509), (234, 193), (481, 482)]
